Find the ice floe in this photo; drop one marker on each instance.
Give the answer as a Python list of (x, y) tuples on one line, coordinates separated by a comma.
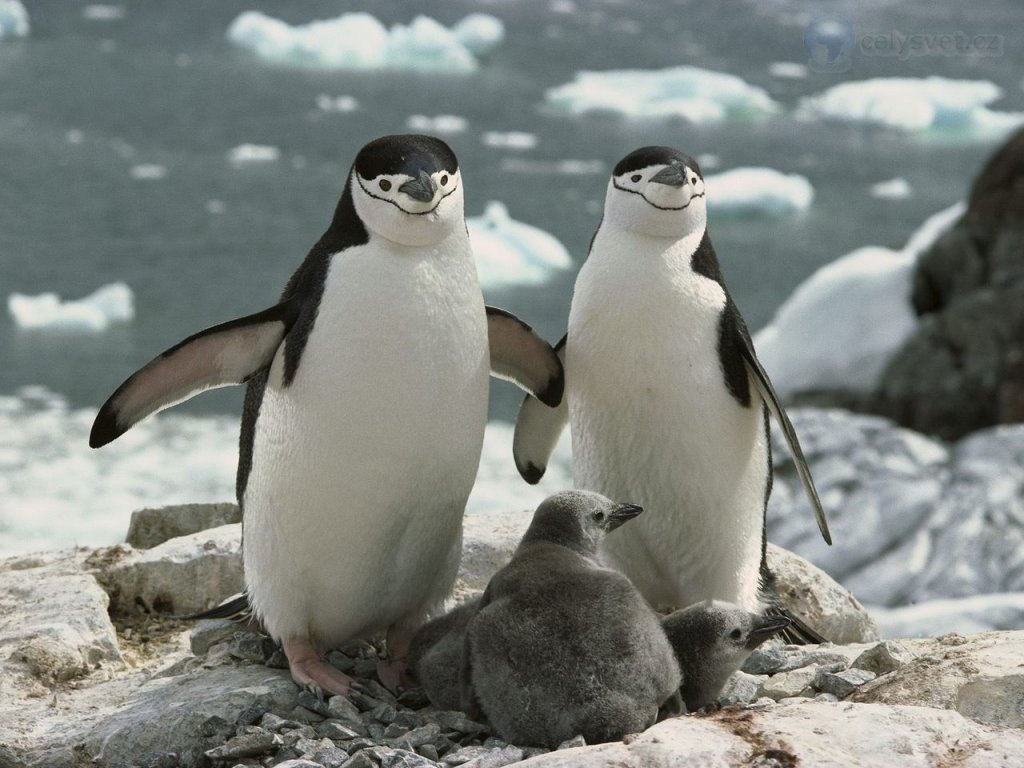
[(13, 19), (113, 303), (101, 12), (931, 105), (701, 96), (517, 140), (509, 252), (250, 154), (327, 103), (841, 325), (148, 172), (892, 189), (567, 167), (437, 124), (360, 41), (744, 191), (787, 70)]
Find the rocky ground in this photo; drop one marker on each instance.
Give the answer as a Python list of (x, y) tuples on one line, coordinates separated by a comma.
[(95, 673)]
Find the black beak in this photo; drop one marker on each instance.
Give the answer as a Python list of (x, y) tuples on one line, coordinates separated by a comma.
[(622, 514), (421, 188), (671, 175), (765, 627)]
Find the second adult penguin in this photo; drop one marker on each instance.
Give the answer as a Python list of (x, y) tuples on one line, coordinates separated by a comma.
[(665, 395), (365, 410), (560, 645)]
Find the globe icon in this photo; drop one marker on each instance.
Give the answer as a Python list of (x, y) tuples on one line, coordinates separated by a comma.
[(829, 43)]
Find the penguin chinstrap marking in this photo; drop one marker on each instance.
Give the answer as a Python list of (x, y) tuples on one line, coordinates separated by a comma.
[(711, 640), (665, 396), (364, 414), (561, 645)]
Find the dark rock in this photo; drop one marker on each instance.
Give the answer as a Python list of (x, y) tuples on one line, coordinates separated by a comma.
[(314, 703)]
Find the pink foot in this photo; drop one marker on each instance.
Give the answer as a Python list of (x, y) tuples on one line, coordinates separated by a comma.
[(310, 670), (393, 671)]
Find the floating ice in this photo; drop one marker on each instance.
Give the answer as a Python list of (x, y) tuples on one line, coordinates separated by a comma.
[(360, 41), (787, 70), (110, 304), (567, 167), (701, 96), (863, 300), (100, 12), (743, 191), (933, 105), (56, 492), (148, 172), (509, 252), (248, 154), (893, 189), (518, 140), (437, 124), (328, 103), (13, 19)]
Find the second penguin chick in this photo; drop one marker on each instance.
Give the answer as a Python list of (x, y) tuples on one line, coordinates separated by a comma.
[(561, 645), (435, 655), (712, 639)]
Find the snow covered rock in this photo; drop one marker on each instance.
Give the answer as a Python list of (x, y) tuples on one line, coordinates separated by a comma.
[(700, 96), (96, 312)]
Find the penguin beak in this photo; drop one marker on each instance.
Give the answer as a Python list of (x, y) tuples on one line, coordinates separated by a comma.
[(671, 175), (622, 514), (421, 188), (765, 627)]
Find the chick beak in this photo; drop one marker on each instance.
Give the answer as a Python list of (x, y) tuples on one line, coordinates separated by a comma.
[(622, 514)]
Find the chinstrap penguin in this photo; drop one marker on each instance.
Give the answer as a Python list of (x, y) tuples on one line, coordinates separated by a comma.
[(667, 402), (712, 639), (560, 645), (435, 655), (364, 413)]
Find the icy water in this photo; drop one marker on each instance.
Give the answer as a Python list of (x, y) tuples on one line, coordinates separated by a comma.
[(92, 101)]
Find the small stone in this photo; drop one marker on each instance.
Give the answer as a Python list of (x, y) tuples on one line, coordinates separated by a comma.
[(300, 762), (830, 697), (885, 657), (250, 715), (741, 688), (277, 659), (215, 726), (249, 745), (787, 684), (450, 720), (272, 722), (336, 731), (340, 661), (209, 633), (378, 691), (425, 734), (314, 703), (409, 719), (428, 751), (767, 661), (493, 742), (359, 760), (463, 755), (394, 730), (328, 755), (384, 713), (364, 701), (341, 707), (359, 744), (575, 741), (376, 731), (497, 758), (841, 684), (529, 752), (414, 698)]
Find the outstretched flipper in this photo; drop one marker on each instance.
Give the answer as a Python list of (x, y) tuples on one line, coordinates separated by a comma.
[(229, 353), (538, 428), (521, 356)]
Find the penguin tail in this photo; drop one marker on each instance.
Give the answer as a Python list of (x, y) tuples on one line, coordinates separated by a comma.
[(798, 632), (236, 608)]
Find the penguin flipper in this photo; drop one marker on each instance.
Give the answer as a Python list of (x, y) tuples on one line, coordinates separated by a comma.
[(798, 632), (229, 353), (767, 392), (538, 428), (236, 608), (521, 356)]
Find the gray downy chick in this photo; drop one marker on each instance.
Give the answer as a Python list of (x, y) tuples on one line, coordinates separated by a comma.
[(712, 639), (561, 645), (435, 655)]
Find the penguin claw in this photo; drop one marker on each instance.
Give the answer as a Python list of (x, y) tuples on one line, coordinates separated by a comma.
[(311, 671)]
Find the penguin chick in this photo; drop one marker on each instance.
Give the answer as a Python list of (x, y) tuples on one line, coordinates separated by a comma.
[(435, 654), (712, 639), (561, 645)]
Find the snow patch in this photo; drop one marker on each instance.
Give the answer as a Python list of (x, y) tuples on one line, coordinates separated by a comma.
[(250, 154), (701, 96), (360, 41), (893, 189), (13, 19), (931, 105), (744, 191), (509, 252), (96, 312), (841, 325)]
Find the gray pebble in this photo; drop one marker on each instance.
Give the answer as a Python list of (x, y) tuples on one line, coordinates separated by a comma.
[(314, 703), (741, 688), (885, 657), (277, 660), (497, 758), (341, 661), (841, 683), (768, 661), (330, 756), (336, 731), (463, 755), (301, 762), (428, 751), (247, 745), (359, 760), (450, 720), (340, 707), (575, 741), (359, 744), (400, 758), (375, 731)]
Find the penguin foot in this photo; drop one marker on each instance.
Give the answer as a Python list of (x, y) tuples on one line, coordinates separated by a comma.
[(310, 670), (394, 674)]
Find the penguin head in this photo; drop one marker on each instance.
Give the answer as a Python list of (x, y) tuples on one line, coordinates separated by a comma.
[(408, 189), (578, 519), (657, 191), (721, 630)]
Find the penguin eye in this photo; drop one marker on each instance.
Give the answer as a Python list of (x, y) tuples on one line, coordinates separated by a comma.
[(735, 634), (635, 178), (444, 180), (598, 517), (384, 184)]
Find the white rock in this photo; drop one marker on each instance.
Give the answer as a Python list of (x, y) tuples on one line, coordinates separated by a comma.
[(183, 575), (786, 684)]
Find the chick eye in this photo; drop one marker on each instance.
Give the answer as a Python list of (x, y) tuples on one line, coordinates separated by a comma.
[(384, 184), (598, 517), (735, 634), (635, 178), (444, 180)]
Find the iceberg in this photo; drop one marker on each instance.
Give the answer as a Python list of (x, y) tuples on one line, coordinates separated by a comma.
[(863, 299), (701, 96), (248, 154), (893, 189), (931, 105), (13, 19), (745, 191), (509, 252), (516, 140), (360, 41), (96, 312)]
